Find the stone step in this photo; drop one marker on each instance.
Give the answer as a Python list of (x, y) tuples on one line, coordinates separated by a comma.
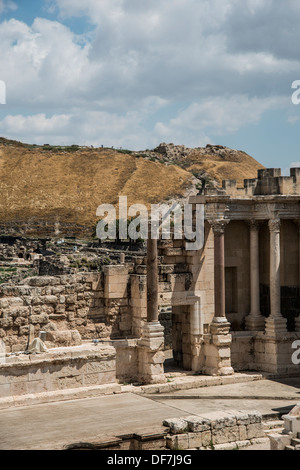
[(289, 448), (273, 431), (295, 441), (276, 424)]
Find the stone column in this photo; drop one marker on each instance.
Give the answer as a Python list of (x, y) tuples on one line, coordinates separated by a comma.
[(254, 321), (196, 334), (297, 319), (151, 344), (219, 270), (152, 281), (275, 323), (217, 347)]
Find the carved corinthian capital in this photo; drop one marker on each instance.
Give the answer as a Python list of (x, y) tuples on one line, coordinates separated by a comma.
[(274, 225), (253, 224), (219, 225)]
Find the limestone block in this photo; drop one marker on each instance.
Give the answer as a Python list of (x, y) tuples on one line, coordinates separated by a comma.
[(225, 434), (178, 442), (41, 281), (4, 303), (37, 386), (64, 337), (20, 321), (100, 366), (195, 440), (151, 369), (15, 301), (254, 417), (60, 309), (255, 430), (57, 290), (222, 340), (224, 353), (176, 425), (6, 322), (242, 432), (19, 388), (279, 441), (206, 437), (70, 299), (292, 424), (197, 423), (4, 390), (39, 319)]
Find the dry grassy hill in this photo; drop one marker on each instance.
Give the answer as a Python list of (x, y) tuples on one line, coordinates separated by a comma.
[(43, 187)]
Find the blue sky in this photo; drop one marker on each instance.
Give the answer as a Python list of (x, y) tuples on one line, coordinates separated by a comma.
[(134, 73)]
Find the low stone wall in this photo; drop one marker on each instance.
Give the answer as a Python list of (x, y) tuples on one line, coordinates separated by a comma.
[(74, 368), (260, 352), (214, 429)]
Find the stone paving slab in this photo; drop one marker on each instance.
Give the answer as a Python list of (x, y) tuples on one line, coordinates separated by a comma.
[(53, 425), (281, 389)]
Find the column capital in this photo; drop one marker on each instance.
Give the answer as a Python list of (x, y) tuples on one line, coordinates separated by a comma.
[(274, 225), (219, 225), (253, 224)]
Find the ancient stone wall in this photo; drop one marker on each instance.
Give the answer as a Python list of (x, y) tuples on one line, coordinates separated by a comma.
[(48, 376), (213, 430), (69, 308)]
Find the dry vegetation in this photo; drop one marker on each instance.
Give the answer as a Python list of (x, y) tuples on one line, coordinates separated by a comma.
[(71, 185), (68, 184), (233, 165)]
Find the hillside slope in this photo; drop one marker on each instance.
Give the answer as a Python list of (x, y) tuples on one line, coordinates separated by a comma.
[(46, 190)]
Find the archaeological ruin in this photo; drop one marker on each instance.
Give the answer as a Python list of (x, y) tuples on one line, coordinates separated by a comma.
[(231, 306)]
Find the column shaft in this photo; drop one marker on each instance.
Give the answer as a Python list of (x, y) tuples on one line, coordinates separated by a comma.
[(275, 323), (219, 275), (275, 268), (152, 280), (254, 271), (254, 321), (218, 227)]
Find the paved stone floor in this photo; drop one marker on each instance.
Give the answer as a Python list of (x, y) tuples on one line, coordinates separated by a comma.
[(53, 425)]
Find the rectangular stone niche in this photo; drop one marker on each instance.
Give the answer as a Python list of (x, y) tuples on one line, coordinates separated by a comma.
[(61, 373)]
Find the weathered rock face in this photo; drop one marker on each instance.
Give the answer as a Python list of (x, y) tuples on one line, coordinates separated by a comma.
[(172, 152)]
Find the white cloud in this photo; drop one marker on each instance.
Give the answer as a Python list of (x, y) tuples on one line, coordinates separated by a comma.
[(7, 5), (217, 116), (211, 66)]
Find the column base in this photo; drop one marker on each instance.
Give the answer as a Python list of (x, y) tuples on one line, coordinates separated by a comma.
[(220, 326), (275, 325), (255, 322), (151, 355), (218, 349)]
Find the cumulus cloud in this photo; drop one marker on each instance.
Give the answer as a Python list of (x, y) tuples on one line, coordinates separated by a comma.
[(211, 66)]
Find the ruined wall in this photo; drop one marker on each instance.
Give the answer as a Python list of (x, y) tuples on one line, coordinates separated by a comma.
[(70, 308)]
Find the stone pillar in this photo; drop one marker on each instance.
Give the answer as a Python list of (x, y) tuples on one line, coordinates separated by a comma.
[(297, 319), (219, 270), (254, 321), (275, 323), (152, 281), (151, 345), (196, 335), (217, 348)]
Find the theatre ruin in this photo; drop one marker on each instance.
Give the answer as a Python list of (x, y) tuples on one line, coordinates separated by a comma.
[(234, 304)]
